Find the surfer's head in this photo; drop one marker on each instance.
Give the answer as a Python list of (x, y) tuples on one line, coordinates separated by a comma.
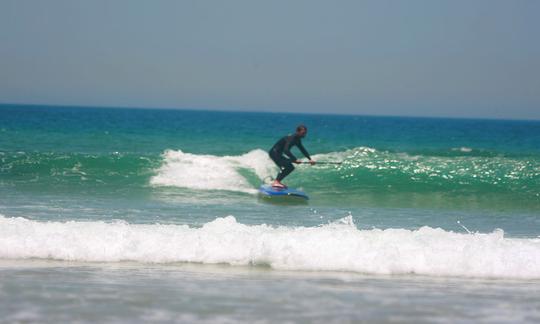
[(301, 130)]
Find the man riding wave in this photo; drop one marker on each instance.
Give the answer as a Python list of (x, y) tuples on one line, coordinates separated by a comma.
[(281, 154)]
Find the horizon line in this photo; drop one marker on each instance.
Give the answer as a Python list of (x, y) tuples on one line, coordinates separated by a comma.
[(79, 106)]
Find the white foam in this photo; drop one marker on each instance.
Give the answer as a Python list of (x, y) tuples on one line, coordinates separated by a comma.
[(210, 172), (333, 247), (463, 149), (349, 154)]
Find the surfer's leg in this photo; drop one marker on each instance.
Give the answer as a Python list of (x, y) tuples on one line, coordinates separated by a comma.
[(286, 168), (279, 161)]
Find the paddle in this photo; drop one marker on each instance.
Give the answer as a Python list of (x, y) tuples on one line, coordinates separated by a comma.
[(306, 162)]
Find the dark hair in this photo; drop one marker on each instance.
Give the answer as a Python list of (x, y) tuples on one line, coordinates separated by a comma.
[(301, 127)]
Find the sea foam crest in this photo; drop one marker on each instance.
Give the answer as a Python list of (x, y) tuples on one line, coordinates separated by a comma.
[(339, 246), (210, 172)]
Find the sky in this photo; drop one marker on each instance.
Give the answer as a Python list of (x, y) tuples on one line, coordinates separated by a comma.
[(455, 58)]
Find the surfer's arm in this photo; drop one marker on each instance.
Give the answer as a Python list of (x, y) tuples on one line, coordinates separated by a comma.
[(287, 148), (303, 150)]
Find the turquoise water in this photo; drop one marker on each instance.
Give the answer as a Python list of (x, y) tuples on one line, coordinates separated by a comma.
[(121, 192), (107, 158)]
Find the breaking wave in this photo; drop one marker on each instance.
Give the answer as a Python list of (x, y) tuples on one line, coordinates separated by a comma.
[(338, 246), (362, 168)]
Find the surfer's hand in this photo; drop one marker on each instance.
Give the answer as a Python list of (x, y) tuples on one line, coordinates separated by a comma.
[(297, 161), (312, 162)]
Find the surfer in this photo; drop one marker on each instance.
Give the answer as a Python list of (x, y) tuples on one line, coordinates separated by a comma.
[(281, 154)]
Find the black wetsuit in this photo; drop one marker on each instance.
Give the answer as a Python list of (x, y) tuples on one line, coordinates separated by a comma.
[(283, 147)]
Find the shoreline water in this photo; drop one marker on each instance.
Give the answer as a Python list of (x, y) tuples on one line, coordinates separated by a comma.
[(202, 293)]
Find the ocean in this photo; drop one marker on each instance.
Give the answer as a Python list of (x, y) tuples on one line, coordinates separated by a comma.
[(116, 214)]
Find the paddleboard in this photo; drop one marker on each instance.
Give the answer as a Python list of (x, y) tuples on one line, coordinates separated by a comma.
[(269, 191)]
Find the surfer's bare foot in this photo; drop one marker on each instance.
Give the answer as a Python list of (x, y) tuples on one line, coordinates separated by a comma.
[(277, 184)]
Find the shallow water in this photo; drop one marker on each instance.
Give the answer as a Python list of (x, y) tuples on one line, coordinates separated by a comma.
[(89, 292)]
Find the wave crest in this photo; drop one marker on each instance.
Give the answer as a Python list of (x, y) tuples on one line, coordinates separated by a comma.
[(210, 172), (338, 246)]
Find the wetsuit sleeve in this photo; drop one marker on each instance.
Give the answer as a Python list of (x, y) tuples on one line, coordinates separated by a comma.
[(303, 150), (287, 148)]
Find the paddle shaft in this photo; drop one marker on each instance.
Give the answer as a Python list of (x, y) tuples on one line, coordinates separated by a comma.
[(304, 162)]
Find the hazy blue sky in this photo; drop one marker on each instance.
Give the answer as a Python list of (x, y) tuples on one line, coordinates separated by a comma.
[(433, 58)]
